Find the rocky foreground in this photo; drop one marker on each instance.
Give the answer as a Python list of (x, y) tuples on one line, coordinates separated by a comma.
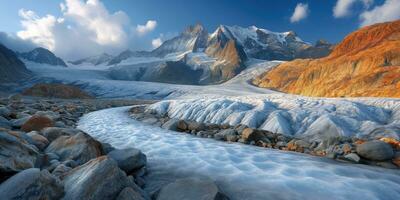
[(43, 156), (380, 151)]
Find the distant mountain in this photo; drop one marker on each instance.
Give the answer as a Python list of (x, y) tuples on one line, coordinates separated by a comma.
[(94, 60), (218, 56), (127, 54), (365, 63), (194, 38), (44, 56), (12, 69)]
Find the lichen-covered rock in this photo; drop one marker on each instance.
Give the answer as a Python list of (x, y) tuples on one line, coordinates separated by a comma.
[(375, 150), (16, 154), (128, 159), (191, 188), (37, 123), (32, 184), (52, 133), (80, 147), (38, 140)]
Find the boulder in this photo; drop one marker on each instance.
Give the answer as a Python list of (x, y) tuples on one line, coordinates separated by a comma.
[(195, 126), (107, 148), (37, 123), (80, 147), (182, 125), (98, 179), (17, 123), (49, 114), (128, 159), (16, 154), (375, 150), (32, 184), (129, 194), (190, 188), (52, 133), (353, 157), (38, 140), (60, 170), (4, 111), (171, 124), (229, 135), (4, 123), (249, 135)]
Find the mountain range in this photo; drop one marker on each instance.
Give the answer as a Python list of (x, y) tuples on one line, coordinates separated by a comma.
[(43, 56), (212, 58), (12, 69), (365, 63)]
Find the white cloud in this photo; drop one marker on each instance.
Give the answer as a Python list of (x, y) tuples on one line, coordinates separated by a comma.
[(300, 12), (84, 28), (148, 27), (156, 42), (38, 30), (94, 17), (343, 7), (388, 11)]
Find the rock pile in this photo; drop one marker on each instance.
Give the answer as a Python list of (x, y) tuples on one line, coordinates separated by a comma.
[(43, 155), (382, 152)]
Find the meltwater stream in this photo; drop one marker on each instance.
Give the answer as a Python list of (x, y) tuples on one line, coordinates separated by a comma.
[(241, 171)]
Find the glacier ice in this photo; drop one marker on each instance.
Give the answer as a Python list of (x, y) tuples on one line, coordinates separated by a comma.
[(241, 171)]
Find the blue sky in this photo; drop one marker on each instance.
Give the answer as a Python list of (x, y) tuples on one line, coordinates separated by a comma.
[(172, 16)]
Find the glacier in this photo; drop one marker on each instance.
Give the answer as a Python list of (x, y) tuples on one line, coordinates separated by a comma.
[(241, 171)]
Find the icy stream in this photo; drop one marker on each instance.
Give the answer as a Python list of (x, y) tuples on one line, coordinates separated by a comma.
[(241, 171)]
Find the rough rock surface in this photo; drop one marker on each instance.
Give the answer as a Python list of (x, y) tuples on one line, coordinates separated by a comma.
[(97, 179), (32, 184), (37, 123), (190, 188), (128, 159), (80, 147), (16, 154), (365, 63), (375, 150)]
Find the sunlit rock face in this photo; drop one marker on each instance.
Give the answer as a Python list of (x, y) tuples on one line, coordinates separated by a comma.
[(365, 63)]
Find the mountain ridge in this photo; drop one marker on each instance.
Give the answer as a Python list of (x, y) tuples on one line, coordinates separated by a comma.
[(365, 63)]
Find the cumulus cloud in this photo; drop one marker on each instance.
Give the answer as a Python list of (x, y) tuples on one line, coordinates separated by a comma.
[(343, 7), (156, 42), (15, 43), (300, 12), (84, 28), (148, 27), (388, 11), (38, 30)]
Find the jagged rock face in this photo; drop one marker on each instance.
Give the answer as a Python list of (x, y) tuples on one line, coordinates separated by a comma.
[(267, 45), (192, 39), (11, 68), (42, 55), (365, 63), (94, 60)]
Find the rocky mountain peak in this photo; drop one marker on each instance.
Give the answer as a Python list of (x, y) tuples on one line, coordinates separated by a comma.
[(44, 56), (197, 29)]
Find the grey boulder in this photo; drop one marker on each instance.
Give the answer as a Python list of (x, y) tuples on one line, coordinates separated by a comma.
[(375, 150), (171, 124), (80, 147), (129, 194), (98, 179), (129, 159), (32, 184), (190, 188), (52, 133), (16, 154)]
